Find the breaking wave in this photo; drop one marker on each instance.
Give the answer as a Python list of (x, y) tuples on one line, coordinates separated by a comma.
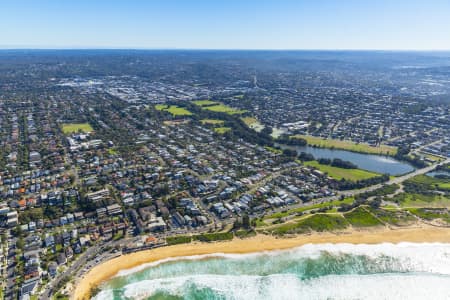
[(324, 271)]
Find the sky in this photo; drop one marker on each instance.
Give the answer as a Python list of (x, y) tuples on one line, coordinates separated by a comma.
[(226, 24)]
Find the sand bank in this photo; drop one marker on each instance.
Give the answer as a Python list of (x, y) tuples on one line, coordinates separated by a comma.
[(108, 269)]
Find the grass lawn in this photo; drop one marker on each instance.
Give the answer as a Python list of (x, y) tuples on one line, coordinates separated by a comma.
[(244, 233), (444, 186), (180, 239), (429, 183), (253, 123), (174, 110), (221, 130), (212, 122), (273, 150), (359, 217), (394, 217), (317, 222), (222, 108), (340, 173), (347, 145), (431, 157), (249, 120), (310, 207), (431, 214), (204, 102), (421, 200), (260, 223), (178, 111), (112, 151), (427, 180), (76, 127), (215, 236)]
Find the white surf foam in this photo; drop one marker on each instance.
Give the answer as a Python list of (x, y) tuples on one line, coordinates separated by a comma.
[(422, 257), (287, 286)]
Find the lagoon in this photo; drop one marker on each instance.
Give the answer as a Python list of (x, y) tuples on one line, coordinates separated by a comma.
[(370, 162)]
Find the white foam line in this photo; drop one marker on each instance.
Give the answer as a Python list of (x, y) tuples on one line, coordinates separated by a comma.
[(313, 250)]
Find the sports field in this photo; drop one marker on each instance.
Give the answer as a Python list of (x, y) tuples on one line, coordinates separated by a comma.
[(347, 145), (76, 127), (204, 102), (341, 173), (174, 110), (222, 108), (222, 130), (212, 122)]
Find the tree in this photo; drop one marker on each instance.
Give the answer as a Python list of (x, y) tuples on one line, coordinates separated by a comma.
[(376, 203), (237, 224), (246, 221), (267, 130), (289, 152)]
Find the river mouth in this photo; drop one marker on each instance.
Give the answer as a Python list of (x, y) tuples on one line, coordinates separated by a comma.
[(370, 162)]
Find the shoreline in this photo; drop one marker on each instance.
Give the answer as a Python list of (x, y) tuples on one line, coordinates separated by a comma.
[(315, 141), (108, 269)]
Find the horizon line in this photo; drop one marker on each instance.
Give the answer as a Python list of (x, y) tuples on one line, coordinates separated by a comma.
[(15, 48)]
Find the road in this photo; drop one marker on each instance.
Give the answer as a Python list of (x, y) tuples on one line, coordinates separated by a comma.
[(352, 193), (79, 263), (90, 253), (10, 266), (396, 180)]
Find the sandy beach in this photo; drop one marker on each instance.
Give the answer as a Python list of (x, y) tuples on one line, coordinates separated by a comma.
[(108, 269)]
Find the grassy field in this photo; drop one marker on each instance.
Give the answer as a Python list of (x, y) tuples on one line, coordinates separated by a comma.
[(76, 127), (347, 145), (222, 108), (393, 217), (310, 207), (245, 233), (273, 150), (444, 186), (112, 151), (431, 214), (249, 120), (317, 222), (253, 123), (421, 200), (174, 110), (221, 130), (431, 157), (425, 180), (260, 223), (212, 122), (204, 102), (340, 173), (359, 217), (215, 236), (429, 183)]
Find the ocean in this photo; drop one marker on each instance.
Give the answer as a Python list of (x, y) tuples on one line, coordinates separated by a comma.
[(322, 271)]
